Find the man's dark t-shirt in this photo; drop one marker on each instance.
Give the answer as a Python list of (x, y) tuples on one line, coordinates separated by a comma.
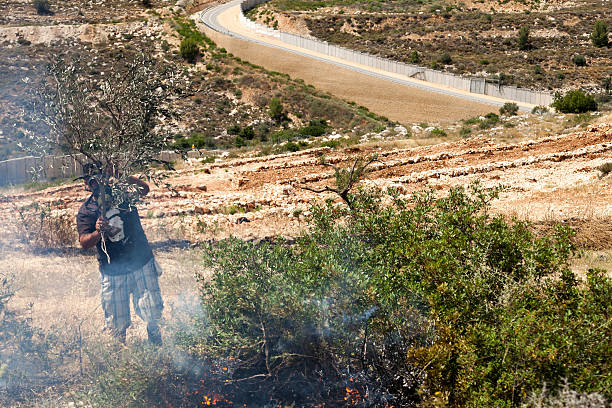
[(128, 250)]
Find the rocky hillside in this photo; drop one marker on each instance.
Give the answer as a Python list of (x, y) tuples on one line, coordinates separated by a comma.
[(221, 92), (469, 38)]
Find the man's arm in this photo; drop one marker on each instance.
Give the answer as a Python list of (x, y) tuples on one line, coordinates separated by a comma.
[(89, 240), (142, 186)]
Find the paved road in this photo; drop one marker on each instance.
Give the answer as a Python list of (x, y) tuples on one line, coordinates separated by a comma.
[(429, 99)]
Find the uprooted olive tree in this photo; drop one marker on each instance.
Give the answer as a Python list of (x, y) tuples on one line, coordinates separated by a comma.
[(115, 119)]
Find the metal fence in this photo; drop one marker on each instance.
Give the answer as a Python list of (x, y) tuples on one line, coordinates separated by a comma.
[(474, 85)]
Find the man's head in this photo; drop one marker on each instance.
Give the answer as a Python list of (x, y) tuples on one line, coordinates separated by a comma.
[(90, 171)]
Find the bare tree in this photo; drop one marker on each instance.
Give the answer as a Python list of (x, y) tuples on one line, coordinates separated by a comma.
[(113, 120)]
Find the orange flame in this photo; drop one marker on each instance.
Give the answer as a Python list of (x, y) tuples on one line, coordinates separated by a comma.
[(352, 395)]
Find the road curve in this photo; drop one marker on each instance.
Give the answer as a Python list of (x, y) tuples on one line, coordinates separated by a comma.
[(393, 95)]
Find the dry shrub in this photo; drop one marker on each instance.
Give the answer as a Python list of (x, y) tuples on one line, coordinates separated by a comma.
[(565, 398), (44, 227), (591, 233), (605, 169)]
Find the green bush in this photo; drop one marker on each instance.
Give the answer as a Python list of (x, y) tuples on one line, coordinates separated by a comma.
[(189, 49), (275, 110), (509, 108), (239, 141), (195, 141), (437, 132), (599, 36), (465, 132), (247, 133), (432, 299), (291, 147), (574, 101), (537, 69), (280, 136), (490, 119), (415, 57), (234, 130), (524, 42), (579, 60), (445, 59), (539, 110), (315, 128)]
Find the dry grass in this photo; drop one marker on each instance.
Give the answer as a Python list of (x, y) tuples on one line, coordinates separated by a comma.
[(61, 291), (599, 259)]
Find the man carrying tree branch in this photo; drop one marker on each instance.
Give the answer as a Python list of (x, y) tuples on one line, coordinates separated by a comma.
[(127, 265)]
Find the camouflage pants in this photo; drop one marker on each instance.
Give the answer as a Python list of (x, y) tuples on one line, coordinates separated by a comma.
[(146, 297)]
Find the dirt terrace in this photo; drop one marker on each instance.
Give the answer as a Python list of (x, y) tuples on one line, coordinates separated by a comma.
[(550, 179)]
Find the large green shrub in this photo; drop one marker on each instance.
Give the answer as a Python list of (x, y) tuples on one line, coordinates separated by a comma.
[(431, 299), (574, 101), (189, 49)]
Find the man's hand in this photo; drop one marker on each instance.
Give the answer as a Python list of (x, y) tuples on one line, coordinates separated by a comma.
[(102, 225), (141, 186)]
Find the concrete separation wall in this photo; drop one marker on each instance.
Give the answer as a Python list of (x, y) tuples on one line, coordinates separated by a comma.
[(474, 85), (26, 169)]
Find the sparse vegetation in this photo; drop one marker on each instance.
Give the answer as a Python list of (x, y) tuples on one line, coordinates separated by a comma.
[(464, 33)]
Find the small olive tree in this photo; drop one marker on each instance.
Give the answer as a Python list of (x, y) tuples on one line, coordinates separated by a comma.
[(599, 36), (113, 121), (524, 43)]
